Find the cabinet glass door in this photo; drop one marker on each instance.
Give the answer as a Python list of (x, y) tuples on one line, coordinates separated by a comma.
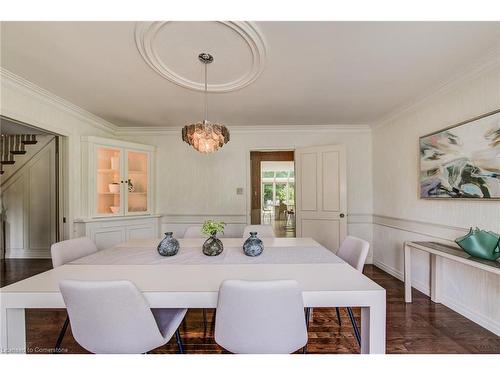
[(137, 182), (109, 186)]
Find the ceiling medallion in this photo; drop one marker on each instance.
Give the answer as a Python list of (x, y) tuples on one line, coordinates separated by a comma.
[(205, 136), (146, 33)]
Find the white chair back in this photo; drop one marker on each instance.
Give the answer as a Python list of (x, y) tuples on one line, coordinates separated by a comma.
[(110, 316), (66, 251), (354, 251), (260, 317), (263, 231), (193, 232)]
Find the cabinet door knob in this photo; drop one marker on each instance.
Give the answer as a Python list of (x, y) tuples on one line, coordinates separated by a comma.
[(342, 215)]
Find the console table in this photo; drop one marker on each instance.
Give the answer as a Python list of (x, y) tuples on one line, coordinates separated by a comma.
[(438, 251)]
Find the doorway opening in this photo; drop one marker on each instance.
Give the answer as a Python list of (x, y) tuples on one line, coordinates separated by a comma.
[(31, 206), (273, 190)]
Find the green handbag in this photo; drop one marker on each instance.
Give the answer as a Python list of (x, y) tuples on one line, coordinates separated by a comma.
[(480, 244)]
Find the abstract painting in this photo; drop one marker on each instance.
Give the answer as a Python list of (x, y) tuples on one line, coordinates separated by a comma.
[(462, 161)]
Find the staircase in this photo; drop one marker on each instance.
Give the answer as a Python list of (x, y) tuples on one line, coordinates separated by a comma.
[(12, 145)]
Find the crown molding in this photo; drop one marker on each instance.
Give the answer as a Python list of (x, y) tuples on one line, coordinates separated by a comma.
[(96, 121), (168, 130), (58, 102), (488, 61)]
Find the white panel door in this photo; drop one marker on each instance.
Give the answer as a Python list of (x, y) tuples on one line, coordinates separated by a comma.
[(321, 194)]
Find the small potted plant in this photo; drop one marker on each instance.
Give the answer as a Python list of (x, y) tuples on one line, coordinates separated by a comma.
[(212, 246)]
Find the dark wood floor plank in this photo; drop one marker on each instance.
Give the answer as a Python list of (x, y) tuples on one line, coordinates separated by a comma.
[(420, 327)]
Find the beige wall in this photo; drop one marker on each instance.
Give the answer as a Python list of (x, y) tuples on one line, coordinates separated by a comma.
[(191, 186), (28, 103), (398, 213)]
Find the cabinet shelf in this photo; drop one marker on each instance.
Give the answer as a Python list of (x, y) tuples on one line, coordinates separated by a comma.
[(118, 165)]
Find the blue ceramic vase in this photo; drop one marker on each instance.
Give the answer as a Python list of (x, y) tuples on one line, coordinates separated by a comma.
[(253, 246), (169, 246), (212, 246)]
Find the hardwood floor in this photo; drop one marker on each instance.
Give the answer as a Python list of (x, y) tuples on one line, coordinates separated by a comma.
[(420, 327)]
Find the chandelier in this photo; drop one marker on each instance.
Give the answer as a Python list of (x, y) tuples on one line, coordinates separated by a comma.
[(205, 136)]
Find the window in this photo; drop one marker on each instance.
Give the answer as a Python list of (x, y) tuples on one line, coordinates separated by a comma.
[(267, 195), (277, 187), (281, 193)]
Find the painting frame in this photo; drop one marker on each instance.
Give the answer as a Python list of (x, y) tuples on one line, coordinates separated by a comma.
[(419, 171)]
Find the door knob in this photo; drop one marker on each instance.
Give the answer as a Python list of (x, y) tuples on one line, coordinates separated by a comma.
[(342, 215)]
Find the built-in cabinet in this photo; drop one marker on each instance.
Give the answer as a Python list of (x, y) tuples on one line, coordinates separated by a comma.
[(119, 191), (109, 232), (119, 177)]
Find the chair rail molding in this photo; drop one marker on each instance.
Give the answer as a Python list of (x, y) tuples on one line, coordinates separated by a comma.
[(435, 230)]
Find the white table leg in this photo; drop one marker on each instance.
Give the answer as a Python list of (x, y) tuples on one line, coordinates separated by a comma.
[(373, 328), (436, 272), (13, 331), (407, 254)]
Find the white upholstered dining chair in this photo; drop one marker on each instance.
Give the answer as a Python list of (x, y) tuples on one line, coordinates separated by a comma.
[(354, 251), (265, 317), (64, 252), (114, 317), (263, 231)]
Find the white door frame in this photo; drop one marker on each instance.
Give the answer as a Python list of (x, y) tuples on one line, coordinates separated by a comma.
[(249, 175)]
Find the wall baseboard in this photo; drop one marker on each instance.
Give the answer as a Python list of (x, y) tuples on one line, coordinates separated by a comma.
[(475, 316), (421, 287)]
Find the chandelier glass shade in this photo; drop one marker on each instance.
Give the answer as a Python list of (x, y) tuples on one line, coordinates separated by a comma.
[(205, 136)]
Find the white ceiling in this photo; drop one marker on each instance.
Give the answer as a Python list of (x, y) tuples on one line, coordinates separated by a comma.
[(312, 72)]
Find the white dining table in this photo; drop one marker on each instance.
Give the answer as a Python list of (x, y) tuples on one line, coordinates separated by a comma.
[(191, 280)]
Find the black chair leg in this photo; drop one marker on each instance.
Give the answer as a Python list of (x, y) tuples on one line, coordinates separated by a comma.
[(308, 315), (338, 316), (57, 348), (179, 341), (354, 325), (212, 324), (307, 312), (204, 321)]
